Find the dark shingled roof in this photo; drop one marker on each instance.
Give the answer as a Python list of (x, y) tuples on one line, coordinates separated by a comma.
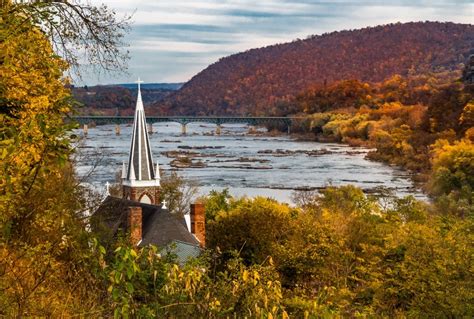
[(159, 226)]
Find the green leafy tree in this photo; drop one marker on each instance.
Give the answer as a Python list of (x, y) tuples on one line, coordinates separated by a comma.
[(452, 178), (178, 192), (144, 284), (253, 228)]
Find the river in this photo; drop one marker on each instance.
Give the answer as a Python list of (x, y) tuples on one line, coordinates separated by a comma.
[(246, 164)]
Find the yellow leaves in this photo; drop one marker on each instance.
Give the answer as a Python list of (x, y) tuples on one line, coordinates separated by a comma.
[(326, 214), (33, 94), (31, 68), (445, 153), (33, 277), (245, 275), (215, 305), (467, 116), (469, 135), (453, 167), (256, 277), (270, 261)]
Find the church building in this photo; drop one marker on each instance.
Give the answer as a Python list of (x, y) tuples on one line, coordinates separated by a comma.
[(140, 213), (141, 179)]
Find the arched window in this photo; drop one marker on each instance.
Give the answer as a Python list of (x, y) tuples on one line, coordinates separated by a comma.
[(145, 199)]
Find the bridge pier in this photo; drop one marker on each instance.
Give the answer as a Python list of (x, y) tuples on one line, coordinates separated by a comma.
[(289, 129), (218, 129), (150, 128), (183, 129), (117, 129), (85, 129)]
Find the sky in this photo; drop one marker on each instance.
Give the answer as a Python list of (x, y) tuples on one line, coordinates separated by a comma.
[(173, 40)]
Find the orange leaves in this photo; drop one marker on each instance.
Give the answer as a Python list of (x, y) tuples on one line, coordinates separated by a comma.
[(256, 79)]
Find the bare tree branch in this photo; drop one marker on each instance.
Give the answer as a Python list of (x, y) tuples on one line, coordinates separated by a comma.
[(83, 34)]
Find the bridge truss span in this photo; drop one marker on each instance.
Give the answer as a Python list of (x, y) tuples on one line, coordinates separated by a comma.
[(269, 121), (281, 123), (218, 120)]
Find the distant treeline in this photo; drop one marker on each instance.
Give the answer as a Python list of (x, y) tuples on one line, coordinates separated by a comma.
[(119, 99)]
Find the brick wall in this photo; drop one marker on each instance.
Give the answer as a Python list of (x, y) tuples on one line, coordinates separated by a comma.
[(134, 224), (136, 193), (198, 222)]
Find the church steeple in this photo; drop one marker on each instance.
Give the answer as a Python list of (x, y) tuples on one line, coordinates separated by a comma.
[(140, 178)]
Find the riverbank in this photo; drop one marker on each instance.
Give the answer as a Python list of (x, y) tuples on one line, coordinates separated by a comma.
[(419, 177)]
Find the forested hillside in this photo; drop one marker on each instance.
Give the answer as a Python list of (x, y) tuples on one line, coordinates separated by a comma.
[(259, 81)]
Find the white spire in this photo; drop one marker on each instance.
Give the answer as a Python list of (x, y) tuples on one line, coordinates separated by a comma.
[(140, 160)]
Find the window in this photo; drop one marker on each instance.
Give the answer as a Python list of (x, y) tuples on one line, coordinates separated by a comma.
[(145, 199)]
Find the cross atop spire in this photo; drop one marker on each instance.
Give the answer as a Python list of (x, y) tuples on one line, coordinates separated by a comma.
[(138, 81), (139, 98)]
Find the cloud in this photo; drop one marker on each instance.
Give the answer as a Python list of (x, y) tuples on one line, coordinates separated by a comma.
[(181, 33), (173, 40)]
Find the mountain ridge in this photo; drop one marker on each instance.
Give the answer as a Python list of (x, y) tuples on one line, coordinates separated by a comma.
[(256, 80)]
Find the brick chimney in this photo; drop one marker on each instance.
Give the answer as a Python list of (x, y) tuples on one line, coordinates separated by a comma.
[(134, 224), (198, 223)]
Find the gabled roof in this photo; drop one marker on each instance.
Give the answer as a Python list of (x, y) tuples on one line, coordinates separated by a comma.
[(162, 227), (183, 251), (140, 160), (159, 226)]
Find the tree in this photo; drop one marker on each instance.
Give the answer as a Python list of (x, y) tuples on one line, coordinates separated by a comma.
[(452, 178), (178, 193), (143, 284), (346, 254), (445, 109), (78, 31), (216, 202), (34, 104), (425, 270), (48, 267), (467, 117), (253, 228)]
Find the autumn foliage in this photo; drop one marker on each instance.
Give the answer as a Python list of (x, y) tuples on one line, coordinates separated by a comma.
[(346, 254), (339, 253), (260, 81)]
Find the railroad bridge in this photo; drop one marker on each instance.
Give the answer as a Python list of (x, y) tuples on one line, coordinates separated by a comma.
[(184, 120)]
